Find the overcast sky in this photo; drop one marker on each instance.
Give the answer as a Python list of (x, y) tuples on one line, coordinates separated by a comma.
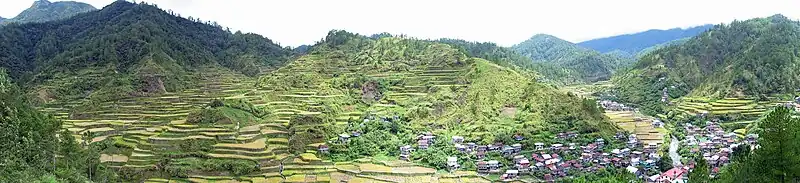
[(297, 22)]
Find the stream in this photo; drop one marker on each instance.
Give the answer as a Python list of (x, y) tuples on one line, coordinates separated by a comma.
[(673, 151)]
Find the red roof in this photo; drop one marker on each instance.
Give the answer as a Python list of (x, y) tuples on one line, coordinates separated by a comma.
[(673, 173)]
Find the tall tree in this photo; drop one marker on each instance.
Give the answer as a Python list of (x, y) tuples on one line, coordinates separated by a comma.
[(777, 155), (776, 158), (700, 172)]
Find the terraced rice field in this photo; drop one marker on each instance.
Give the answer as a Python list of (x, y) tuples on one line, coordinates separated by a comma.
[(153, 127), (638, 124), (747, 108)]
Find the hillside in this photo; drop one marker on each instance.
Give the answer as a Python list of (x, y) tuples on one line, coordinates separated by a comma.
[(387, 89), (31, 140), (756, 58), (649, 50), (44, 10), (636, 42), (560, 60), (126, 49)]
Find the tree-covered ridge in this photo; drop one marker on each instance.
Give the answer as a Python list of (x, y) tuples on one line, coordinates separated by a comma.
[(635, 43), (745, 58), (44, 10), (491, 52), (127, 48), (566, 62), (651, 49)]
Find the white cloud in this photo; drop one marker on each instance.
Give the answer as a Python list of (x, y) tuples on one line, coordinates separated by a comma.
[(506, 22)]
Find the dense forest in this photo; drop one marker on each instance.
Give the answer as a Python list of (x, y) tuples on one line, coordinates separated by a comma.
[(490, 51), (130, 48), (44, 10), (753, 58), (632, 44), (563, 61), (36, 148)]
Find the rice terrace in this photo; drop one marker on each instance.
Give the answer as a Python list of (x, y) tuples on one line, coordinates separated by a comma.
[(166, 92)]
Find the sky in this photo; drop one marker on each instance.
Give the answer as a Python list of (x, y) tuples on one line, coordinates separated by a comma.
[(505, 22)]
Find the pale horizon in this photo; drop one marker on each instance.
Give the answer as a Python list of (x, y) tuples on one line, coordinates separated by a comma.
[(295, 23)]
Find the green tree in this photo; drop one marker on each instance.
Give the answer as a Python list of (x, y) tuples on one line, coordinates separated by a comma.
[(665, 163), (700, 172)]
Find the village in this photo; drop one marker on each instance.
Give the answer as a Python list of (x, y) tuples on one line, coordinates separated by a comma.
[(558, 161)]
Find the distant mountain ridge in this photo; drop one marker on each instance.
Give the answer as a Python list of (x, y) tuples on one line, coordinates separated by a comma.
[(636, 42), (44, 10), (567, 63)]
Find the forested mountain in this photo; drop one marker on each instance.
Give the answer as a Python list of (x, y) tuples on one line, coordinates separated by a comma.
[(563, 61), (126, 49), (749, 58), (634, 43), (44, 10)]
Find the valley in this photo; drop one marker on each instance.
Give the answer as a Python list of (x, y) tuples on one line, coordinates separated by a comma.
[(134, 92)]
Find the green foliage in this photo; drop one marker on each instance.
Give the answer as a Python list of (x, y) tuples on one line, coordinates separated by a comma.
[(182, 167), (700, 173), (235, 111), (664, 164), (377, 138), (745, 58), (611, 175), (128, 48), (31, 141), (207, 116), (776, 159), (564, 62), (491, 52)]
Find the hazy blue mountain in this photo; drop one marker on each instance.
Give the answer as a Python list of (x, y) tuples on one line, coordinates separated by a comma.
[(43, 10), (634, 43)]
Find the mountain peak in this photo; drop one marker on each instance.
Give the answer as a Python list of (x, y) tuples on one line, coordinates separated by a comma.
[(778, 17), (39, 3), (545, 36), (44, 10)]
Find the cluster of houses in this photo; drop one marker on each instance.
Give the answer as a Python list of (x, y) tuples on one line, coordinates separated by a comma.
[(793, 105), (614, 106), (547, 161), (714, 144)]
